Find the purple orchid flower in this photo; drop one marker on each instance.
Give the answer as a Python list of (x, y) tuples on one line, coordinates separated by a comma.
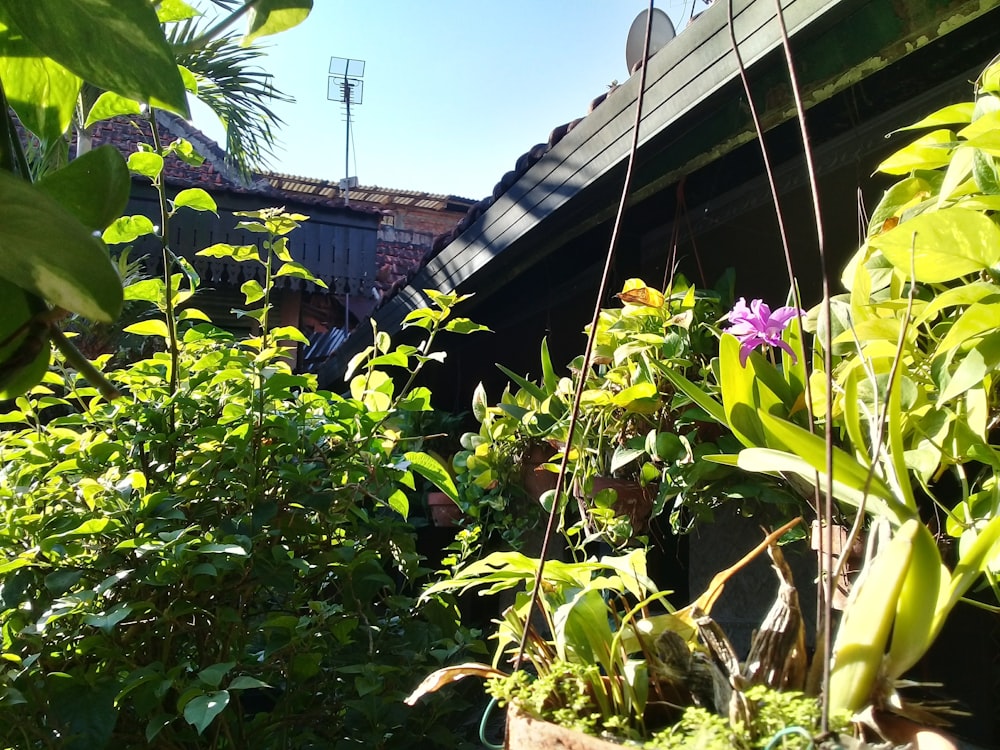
[(757, 326)]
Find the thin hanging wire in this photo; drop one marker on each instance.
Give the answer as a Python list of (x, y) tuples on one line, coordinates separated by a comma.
[(824, 509), (602, 288)]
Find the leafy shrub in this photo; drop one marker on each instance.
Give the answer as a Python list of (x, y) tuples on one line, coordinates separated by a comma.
[(220, 559)]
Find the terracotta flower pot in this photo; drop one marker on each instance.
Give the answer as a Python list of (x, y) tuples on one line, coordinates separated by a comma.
[(536, 480), (445, 513), (634, 500), (525, 732)]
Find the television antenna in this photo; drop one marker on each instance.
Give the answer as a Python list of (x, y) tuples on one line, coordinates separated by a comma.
[(661, 31), (345, 85)]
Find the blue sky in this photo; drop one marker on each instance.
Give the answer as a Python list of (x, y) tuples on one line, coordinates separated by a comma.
[(454, 90)]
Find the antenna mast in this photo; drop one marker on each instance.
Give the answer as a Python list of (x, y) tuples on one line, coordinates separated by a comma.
[(344, 85)]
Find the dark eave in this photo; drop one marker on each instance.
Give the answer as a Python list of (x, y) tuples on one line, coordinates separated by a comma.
[(694, 113)]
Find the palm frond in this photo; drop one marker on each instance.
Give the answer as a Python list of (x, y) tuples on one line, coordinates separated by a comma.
[(238, 91)]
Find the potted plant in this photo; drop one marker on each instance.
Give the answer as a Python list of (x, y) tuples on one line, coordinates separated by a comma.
[(606, 669)]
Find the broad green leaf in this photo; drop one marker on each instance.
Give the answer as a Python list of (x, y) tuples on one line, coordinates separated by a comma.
[(905, 193), (966, 294), (191, 313), (41, 91), (128, 229), (978, 320), (108, 105), (253, 291), (949, 243), (929, 152), (213, 675), (582, 630), (969, 569), (24, 355), (624, 456), (299, 271), (109, 619), (986, 171), (274, 16), (239, 253), (201, 710), (146, 163), (93, 187), (987, 122), (147, 290), (45, 250), (464, 325), (953, 114), (168, 11), (637, 398), (400, 503), (195, 198), (989, 81), (245, 682), (184, 151), (959, 171), (154, 327), (289, 333), (117, 45), (431, 469)]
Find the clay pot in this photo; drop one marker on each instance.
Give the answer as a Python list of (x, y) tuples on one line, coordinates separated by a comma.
[(527, 733), (635, 501), (536, 480), (445, 513)]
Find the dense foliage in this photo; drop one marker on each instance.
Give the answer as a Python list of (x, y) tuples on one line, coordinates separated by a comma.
[(223, 561)]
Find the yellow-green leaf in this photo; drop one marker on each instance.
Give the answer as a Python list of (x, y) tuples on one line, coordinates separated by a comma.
[(949, 243)]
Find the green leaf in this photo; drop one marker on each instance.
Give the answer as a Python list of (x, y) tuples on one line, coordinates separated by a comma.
[(274, 16), (400, 503), (978, 320), (431, 469), (480, 404), (949, 243), (146, 163), (464, 325), (24, 355), (108, 105), (244, 682), (195, 198), (298, 271), (168, 11), (201, 710), (289, 333), (239, 253), (41, 91), (128, 229), (107, 621), (147, 290), (154, 327), (929, 152), (93, 187), (117, 45), (859, 647), (252, 290), (213, 675), (953, 114), (45, 250)]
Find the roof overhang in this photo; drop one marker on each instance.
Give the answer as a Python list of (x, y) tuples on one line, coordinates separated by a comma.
[(694, 113)]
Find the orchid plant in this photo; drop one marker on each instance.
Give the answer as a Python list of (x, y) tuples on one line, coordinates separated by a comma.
[(911, 396)]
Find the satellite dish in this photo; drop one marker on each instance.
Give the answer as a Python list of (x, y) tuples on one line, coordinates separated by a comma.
[(661, 32)]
